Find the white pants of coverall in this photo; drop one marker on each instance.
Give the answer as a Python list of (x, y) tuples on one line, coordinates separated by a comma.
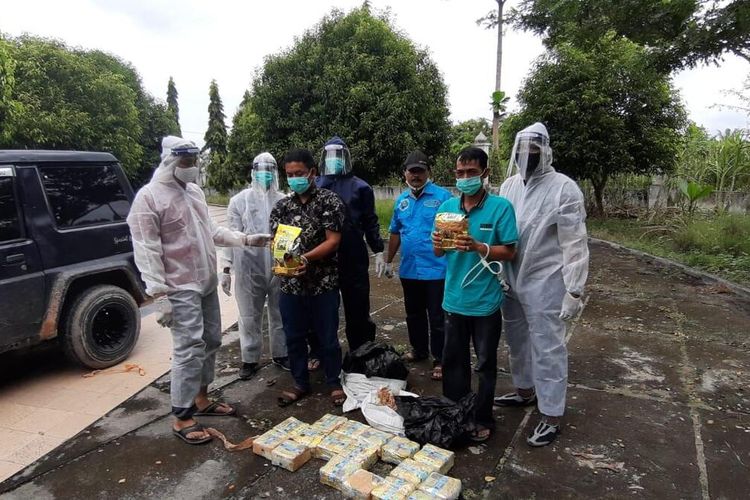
[(250, 303), (538, 354), (196, 338)]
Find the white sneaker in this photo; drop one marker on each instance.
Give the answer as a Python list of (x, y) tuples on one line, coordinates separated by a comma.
[(544, 433)]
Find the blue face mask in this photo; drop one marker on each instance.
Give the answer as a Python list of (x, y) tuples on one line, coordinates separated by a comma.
[(469, 186), (334, 166), (299, 184), (263, 178)]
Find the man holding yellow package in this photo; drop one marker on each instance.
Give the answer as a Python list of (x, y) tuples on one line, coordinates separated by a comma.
[(307, 231)]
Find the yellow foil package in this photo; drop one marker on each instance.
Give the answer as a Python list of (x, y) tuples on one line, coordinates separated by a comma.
[(441, 487), (289, 425), (308, 435), (392, 488), (397, 449), (337, 471), (373, 437), (285, 250), (360, 484), (438, 459), (330, 423), (333, 444), (264, 444), (450, 226), (290, 455), (412, 471), (351, 428), (364, 455), (419, 495)]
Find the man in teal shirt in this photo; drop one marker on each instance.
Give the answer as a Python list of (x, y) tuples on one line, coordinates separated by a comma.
[(473, 292)]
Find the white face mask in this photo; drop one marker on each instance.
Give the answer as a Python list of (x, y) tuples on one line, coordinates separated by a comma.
[(186, 174)]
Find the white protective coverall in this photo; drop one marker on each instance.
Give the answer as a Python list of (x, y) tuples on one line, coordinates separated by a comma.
[(551, 263), (173, 242), (249, 212)]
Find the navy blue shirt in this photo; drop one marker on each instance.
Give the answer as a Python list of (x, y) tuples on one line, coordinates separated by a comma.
[(412, 220)]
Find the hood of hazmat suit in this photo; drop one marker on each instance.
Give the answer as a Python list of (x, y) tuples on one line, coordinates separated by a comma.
[(531, 154), (335, 158), (173, 234)]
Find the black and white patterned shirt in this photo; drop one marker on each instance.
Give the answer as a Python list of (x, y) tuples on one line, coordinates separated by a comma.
[(323, 211)]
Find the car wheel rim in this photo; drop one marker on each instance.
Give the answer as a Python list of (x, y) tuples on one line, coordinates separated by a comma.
[(110, 329)]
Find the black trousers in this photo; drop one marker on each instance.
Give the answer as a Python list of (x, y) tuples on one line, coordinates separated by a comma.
[(484, 331), (354, 283), (423, 301)]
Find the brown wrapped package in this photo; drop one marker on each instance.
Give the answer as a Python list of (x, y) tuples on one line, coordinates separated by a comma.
[(450, 226)]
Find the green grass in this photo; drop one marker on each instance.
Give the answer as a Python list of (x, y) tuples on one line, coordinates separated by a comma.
[(384, 210), (218, 199), (719, 244)]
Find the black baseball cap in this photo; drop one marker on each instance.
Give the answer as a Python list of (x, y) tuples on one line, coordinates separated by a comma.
[(417, 159)]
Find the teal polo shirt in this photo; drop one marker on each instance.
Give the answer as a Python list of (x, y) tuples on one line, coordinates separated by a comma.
[(492, 221)]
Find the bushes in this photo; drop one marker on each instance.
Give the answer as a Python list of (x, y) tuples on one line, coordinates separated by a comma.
[(725, 234)]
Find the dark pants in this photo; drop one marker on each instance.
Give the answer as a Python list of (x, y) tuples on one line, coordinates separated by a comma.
[(423, 301), (321, 312), (354, 281), (484, 331)]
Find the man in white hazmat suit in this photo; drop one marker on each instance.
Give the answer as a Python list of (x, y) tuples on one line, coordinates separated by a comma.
[(173, 242), (546, 279), (249, 212)]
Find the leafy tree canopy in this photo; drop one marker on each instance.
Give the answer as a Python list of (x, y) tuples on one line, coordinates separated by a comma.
[(607, 110), (355, 76), (676, 33)]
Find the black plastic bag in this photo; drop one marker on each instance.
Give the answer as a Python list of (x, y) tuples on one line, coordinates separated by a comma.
[(375, 359), (437, 420)]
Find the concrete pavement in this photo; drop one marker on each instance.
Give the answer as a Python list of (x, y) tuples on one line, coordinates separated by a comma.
[(658, 407)]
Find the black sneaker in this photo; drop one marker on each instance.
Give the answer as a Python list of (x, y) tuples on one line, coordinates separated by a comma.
[(248, 370), (544, 433), (283, 363), (514, 399)]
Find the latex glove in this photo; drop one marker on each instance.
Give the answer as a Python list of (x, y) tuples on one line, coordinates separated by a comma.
[(571, 306), (164, 307), (226, 284), (388, 270), (257, 240), (379, 264)]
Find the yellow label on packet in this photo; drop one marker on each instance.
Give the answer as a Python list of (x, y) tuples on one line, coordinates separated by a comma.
[(285, 249)]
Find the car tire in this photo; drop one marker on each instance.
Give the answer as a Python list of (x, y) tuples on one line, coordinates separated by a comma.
[(102, 327)]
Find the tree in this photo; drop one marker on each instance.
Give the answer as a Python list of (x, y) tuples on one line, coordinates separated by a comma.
[(677, 33), (608, 111), (355, 76), (7, 81), (494, 19), (220, 175), (172, 106), (245, 140)]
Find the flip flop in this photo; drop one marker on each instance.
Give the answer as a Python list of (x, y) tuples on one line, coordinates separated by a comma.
[(437, 373), (313, 364), (183, 434), (476, 438), (212, 410), (412, 357), (298, 394)]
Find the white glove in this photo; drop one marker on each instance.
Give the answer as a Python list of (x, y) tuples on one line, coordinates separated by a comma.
[(257, 240), (379, 264), (164, 306), (388, 270), (226, 284), (571, 306)]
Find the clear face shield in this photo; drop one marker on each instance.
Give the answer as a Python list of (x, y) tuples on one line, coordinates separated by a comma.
[(264, 172), (335, 160), (531, 154), (186, 163)]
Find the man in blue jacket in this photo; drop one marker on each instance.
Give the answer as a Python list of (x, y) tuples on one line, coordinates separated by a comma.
[(422, 273), (361, 224)]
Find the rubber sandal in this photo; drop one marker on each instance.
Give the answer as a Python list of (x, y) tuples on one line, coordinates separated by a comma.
[(437, 373), (476, 438), (183, 434), (338, 396), (412, 357), (313, 364), (212, 410), (298, 394)]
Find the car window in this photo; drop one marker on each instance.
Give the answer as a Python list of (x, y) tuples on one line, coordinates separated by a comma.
[(10, 225), (82, 196)]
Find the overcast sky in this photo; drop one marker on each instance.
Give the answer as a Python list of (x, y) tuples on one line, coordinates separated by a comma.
[(195, 41)]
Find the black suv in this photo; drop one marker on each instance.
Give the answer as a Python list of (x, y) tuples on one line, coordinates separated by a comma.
[(66, 259)]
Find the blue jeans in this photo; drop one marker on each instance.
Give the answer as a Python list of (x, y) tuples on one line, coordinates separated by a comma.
[(299, 313)]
